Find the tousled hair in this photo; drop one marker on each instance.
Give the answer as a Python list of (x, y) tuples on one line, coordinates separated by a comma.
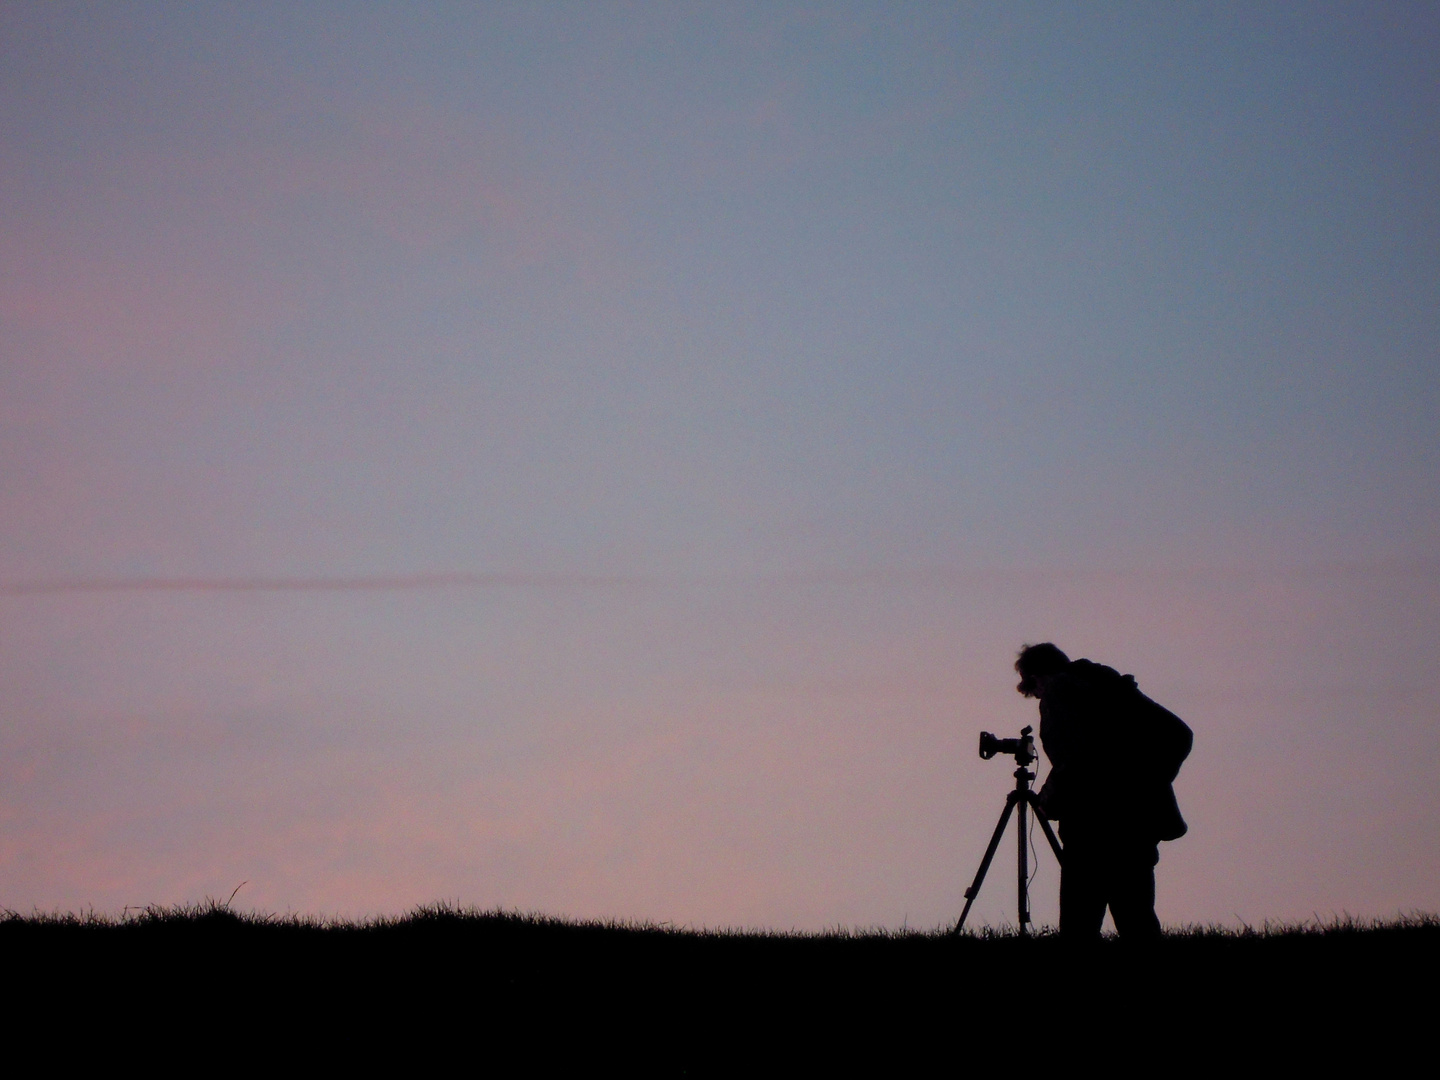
[(1036, 661)]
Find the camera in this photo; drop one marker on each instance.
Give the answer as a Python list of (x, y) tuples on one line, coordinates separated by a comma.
[(1023, 748)]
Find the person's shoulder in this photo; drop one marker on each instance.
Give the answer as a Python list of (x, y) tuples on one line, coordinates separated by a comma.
[(1085, 680), (1088, 673), (1072, 687)]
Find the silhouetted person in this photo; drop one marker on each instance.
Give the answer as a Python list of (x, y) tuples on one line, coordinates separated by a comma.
[(1113, 754)]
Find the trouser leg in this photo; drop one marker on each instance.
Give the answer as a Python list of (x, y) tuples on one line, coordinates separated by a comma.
[(1082, 895), (1131, 894)]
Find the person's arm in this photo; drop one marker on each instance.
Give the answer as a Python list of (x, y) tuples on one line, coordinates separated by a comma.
[(1053, 741), (1050, 796)]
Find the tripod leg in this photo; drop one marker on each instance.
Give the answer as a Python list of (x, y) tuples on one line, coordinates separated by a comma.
[(1022, 865), (974, 889)]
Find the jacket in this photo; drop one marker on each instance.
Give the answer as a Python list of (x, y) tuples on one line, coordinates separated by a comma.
[(1114, 755)]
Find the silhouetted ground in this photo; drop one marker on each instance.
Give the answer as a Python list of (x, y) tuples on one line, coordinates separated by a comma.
[(538, 991)]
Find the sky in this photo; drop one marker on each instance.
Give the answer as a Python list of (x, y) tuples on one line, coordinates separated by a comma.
[(602, 459)]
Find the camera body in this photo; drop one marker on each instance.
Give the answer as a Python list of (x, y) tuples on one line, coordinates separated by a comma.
[(1023, 748)]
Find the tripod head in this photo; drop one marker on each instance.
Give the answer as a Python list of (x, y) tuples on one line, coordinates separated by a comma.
[(1023, 748)]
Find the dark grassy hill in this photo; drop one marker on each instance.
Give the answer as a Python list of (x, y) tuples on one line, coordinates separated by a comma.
[(678, 998)]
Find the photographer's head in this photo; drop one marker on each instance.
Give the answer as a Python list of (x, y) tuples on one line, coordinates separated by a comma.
[(1036, 664)]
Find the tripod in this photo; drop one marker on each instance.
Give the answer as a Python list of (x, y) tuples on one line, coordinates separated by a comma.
[(1017, 801)]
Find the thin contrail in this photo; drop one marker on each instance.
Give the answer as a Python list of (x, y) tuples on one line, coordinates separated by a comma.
[(928, 577), (457, 580), (356, 583)]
